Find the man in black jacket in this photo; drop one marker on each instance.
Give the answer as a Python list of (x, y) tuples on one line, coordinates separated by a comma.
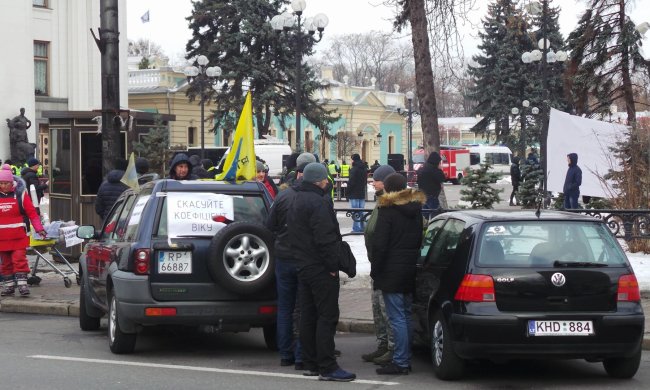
[(30, 175), (515, 177), (314, 236), (572, 182), (430, 179), (111, 189), (357, 190)]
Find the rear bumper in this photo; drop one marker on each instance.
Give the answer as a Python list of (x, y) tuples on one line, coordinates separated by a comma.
[(134, 296), (507, 337)]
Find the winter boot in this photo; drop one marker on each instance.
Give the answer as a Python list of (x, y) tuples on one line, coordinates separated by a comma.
[(8, 286), (384, 359), (21, 279), (369, 357)]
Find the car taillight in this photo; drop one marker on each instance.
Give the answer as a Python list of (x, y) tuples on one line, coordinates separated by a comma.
[(141, 261), (476, 288), (628, 289), (267, 310)]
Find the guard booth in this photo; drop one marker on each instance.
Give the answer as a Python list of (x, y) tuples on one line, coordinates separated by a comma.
[(72, 156)]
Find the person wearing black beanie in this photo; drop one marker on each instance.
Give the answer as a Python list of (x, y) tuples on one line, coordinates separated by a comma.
[(430, 179), (356, 190)]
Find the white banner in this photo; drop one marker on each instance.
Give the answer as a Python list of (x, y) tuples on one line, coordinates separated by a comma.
[(591, 140), (193, 215), (70, 235)]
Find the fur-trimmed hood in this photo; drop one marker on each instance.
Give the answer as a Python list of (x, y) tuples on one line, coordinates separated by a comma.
[(409, 201)]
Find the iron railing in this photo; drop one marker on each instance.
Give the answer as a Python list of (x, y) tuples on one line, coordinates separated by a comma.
[(626, 224)]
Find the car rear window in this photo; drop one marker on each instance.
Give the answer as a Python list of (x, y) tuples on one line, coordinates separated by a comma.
[(545, 243), (197, 214)]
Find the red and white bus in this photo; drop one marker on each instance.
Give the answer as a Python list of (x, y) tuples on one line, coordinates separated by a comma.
[(455, 161)]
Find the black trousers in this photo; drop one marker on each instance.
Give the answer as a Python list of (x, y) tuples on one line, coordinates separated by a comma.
[(515, 188), (319, 314)]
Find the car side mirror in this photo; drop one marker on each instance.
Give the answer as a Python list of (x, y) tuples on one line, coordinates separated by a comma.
[(86, 232)]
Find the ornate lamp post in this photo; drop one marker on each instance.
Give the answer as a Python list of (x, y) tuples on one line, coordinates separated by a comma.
[(203, 77), (546, 56), (409, 130), (288, 23), (522, 121)]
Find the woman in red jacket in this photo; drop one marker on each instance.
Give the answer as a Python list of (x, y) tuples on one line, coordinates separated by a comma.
[(13, 234)]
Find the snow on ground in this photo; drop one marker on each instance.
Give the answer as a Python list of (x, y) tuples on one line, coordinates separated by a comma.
[(640, 262)]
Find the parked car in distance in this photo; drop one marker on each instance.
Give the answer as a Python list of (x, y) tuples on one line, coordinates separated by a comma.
[(507, 285), (180, 253)]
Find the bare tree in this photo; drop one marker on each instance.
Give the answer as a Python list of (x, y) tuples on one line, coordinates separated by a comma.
[(373, 54), (146, 47), (346, 143)]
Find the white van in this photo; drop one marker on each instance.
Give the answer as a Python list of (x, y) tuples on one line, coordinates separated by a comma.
[(500, 156), (271, 150)]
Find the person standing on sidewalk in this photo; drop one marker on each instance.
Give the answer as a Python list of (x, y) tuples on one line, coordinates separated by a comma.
[(357, 190), (385, 343), (315, 238), (430, 179), (30, 175), (14, 207), (515, 178), (395, 247), (572, 182), (286, 276)]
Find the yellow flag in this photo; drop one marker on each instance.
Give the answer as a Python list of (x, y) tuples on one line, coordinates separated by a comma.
[(240, 162), (130, 177)]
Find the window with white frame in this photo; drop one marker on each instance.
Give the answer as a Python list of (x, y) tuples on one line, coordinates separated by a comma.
[(41, 57), (39, 3)]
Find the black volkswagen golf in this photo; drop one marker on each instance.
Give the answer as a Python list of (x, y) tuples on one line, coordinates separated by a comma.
[(507, 285)]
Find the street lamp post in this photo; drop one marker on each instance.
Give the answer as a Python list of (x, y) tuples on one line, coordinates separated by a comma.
[(203, 76), (288, 22), (409, 96), (546, 56), (522, 122)]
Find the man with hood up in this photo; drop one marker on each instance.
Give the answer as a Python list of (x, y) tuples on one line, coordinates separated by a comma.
[(395, 247), (572, 182), (111, 189), (357, 189), (181, 168), (430, 179)]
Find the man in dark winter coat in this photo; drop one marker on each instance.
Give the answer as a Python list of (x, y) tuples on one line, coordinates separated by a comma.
[(515, 177), (430, 179), (572, 182), (395, 245), (180, 168), (111, 189), (357, 189), (314, 236), (30, 176)]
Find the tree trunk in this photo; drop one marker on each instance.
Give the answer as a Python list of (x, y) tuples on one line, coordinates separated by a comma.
[(108, 44), (424, 82), (628, 93)]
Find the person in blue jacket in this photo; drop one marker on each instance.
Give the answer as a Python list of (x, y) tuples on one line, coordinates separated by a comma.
[(572, 182)]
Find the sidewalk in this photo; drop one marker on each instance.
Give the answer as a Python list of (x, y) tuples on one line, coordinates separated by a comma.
[(51, 297)]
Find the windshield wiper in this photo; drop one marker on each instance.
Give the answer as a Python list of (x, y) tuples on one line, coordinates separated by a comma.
[(586, 264)]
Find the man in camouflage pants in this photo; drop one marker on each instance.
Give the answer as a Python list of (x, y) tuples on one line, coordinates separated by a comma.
[(384, 353)]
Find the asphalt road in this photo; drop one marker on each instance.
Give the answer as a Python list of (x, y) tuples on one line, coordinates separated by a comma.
[(52, 353)]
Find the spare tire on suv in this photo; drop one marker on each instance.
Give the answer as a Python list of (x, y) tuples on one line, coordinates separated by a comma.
[(241, 258)]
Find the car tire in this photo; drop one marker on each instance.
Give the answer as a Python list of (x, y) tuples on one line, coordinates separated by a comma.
[(86, 321), (118, 341), (271, 337), (242, 258), (446, 364), (623, 368)]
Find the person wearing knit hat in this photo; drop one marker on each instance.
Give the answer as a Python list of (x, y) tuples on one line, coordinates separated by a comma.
[(29, 174), (395, 247), (356, 190), (305, 157), (314, 236), (263, 178), (430, 180), (383, 333), (15, 205)]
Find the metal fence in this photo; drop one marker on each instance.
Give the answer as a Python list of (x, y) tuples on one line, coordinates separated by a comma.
[(626, 224)]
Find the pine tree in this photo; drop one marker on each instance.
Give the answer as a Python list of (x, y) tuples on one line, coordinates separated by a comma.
[(528, 194), (154, 147), (479, 193), (236, 35), (605, 54)]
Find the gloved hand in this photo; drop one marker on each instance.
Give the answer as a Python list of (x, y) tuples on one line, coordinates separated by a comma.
[(43, 234)]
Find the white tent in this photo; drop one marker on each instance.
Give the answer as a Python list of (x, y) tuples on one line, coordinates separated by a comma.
[(591, 140)]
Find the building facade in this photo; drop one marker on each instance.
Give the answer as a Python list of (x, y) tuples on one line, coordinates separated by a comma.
[(52, 63)]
